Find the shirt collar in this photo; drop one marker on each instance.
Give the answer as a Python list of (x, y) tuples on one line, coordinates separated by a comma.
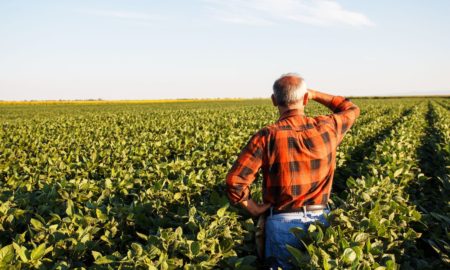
[(290, 113)]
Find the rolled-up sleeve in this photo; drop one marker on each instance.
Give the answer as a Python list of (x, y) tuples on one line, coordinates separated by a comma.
[(244, 169), (345, 114)]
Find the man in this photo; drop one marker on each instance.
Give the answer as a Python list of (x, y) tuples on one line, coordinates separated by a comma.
[(297, 156)]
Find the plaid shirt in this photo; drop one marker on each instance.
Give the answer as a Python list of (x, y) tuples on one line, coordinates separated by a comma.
[(297, 156)]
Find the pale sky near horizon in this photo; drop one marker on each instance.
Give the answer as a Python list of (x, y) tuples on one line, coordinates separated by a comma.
[(139, 49)]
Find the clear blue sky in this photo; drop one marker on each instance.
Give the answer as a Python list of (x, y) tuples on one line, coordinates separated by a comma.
[(137, 49)]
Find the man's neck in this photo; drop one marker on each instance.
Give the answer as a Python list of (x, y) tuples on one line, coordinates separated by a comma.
[(283, 109)]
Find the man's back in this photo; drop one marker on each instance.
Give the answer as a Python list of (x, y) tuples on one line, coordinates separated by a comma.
[(297, 156)]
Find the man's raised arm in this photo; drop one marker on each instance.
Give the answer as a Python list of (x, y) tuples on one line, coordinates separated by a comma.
[(345, 111)]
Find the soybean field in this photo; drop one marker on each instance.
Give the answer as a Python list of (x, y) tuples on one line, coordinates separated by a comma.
[(142, 186)]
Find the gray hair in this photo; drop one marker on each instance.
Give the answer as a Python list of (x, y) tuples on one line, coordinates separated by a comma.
[(289, 89)]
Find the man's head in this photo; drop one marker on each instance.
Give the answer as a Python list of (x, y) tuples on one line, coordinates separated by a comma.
[(290, 89)]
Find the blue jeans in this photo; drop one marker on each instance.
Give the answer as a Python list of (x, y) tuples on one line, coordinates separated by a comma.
[(278, 235)]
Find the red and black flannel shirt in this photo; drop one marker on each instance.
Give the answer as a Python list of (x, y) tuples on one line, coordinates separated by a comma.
[(297, 156)]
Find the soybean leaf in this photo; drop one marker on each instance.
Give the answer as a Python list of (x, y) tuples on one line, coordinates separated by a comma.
[(38, 252)]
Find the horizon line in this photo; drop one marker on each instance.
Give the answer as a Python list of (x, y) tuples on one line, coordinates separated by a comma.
[(174, 100)]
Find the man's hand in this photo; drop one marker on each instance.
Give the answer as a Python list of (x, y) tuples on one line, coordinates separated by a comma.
[(322, 98), (253, 208), (311, 94)]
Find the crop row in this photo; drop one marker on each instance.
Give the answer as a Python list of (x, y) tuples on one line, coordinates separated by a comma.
[(431, 192), (360, 141)]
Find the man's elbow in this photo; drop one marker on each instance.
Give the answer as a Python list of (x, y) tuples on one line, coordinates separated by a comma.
[(231, 190), (235, 192), (356, 110), (229, 179)]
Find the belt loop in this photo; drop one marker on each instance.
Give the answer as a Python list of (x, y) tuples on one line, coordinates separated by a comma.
[(304, 210), (271, 211)]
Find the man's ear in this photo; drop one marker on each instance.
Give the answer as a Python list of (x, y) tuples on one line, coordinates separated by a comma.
[(305, 99), (274, 101)]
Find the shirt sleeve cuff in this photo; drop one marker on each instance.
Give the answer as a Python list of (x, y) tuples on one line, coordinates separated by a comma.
[(235, 198)]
